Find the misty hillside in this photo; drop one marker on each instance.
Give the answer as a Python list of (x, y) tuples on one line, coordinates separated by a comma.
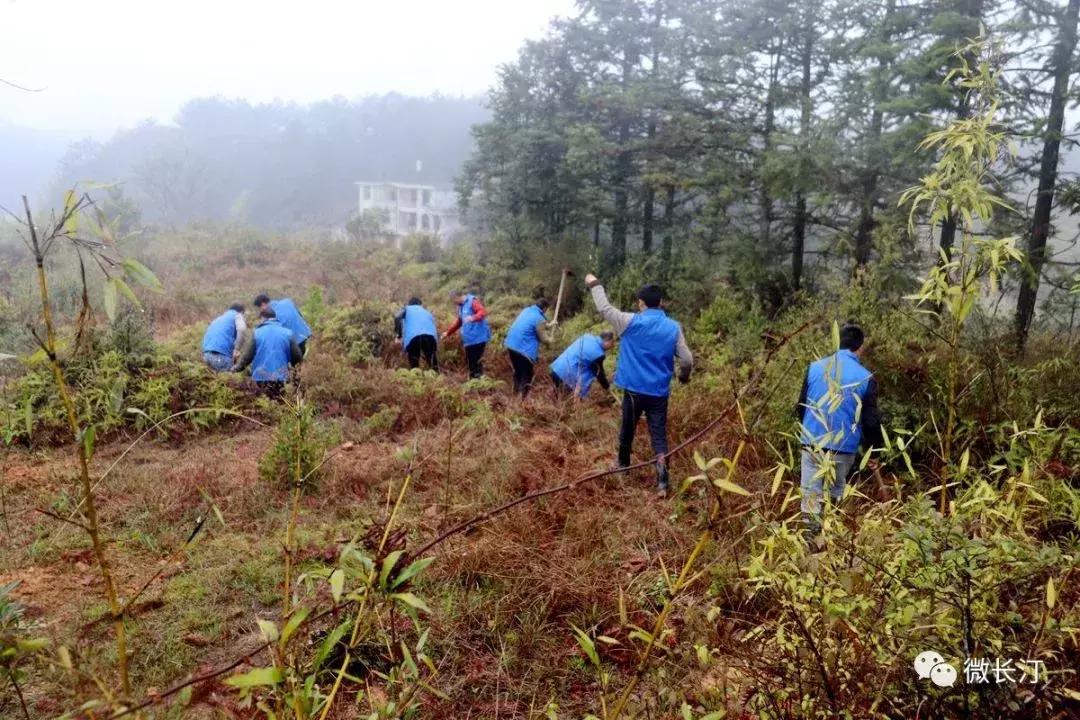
[(277, 165), (28, 159)]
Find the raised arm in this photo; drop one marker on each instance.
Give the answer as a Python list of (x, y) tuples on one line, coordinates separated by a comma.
[(399, 323), (616, 318)]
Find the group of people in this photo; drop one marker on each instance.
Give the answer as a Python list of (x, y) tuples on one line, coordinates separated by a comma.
[(651, 341), (837, 409), (277, 343)]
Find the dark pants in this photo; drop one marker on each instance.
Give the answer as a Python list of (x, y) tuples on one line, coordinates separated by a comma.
[(474, 355), (655, 410), (272, 389), (422, 345), (523, 372), (562, 390)]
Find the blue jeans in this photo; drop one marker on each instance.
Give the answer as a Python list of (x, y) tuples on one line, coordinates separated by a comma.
[(217, 361), (821, 467)]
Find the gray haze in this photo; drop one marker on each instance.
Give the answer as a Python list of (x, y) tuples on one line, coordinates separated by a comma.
[(111, 63)]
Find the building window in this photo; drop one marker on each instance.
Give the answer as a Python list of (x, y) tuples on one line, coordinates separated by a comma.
[(437, 222), (427, 198), (425, 222), (367, 192)]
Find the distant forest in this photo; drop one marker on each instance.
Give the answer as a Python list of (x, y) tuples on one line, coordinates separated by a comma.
[(276, 166)]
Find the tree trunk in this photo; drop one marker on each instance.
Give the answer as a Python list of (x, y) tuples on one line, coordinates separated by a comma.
[(648, 203), (650, 193), (801, 217), (864, 234), (765, 198), (619, 223), (669, 229), (1048, 170)]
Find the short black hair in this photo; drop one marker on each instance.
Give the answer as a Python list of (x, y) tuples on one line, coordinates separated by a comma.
[(267, 313), (238, 307), (607, 336), (415, 301), (851, 337), (543, 303), (261, 299), (650, 294)]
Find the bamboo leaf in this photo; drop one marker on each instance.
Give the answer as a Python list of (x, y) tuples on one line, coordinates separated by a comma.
[(388, 564), (259, 677), (587, 645), (412, 571), (337, 584), (141, 274), (412, 601), (295, 620), (110, 299), (731, 487)]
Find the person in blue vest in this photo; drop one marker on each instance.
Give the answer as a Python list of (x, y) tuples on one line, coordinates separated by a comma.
[(581, 363), (289, 316), (272, 350), (837, 411), (224, 337), (475, 331), (649, 343), (416, 332), (522, 344)]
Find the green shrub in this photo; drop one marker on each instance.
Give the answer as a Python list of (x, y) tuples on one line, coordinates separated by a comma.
[(299, 447), (363, 331)]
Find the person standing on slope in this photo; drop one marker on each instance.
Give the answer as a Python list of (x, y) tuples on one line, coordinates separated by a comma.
[(289, 316), (837, 411), (523, 344), (475, 331), (581, 363), (415, 329), (270, 352), (649, 343), (223, 338)]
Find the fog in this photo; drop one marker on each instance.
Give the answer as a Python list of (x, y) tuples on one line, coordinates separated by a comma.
[(111, 63), (91, 70)]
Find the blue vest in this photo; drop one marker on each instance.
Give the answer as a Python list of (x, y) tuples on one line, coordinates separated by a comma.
[(273, 352), (418, 321), (647, 353), (289, 316), (220, 336), (575, 366), (835, 387), (476, 332), (522, 337)]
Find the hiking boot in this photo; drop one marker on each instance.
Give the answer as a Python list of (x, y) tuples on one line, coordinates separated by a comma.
[(662, 484)]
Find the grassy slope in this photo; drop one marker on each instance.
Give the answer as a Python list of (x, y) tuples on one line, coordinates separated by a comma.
[(504, 596)]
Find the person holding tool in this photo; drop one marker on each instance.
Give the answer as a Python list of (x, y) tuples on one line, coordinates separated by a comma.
[(650, 342)]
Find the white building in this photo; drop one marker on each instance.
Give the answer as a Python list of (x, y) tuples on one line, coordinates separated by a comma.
[(411, 208)]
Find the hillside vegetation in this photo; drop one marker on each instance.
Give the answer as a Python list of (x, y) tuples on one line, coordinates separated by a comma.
[(386, 543)]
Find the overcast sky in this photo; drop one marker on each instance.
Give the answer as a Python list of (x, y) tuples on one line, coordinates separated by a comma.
[(106, 64)]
